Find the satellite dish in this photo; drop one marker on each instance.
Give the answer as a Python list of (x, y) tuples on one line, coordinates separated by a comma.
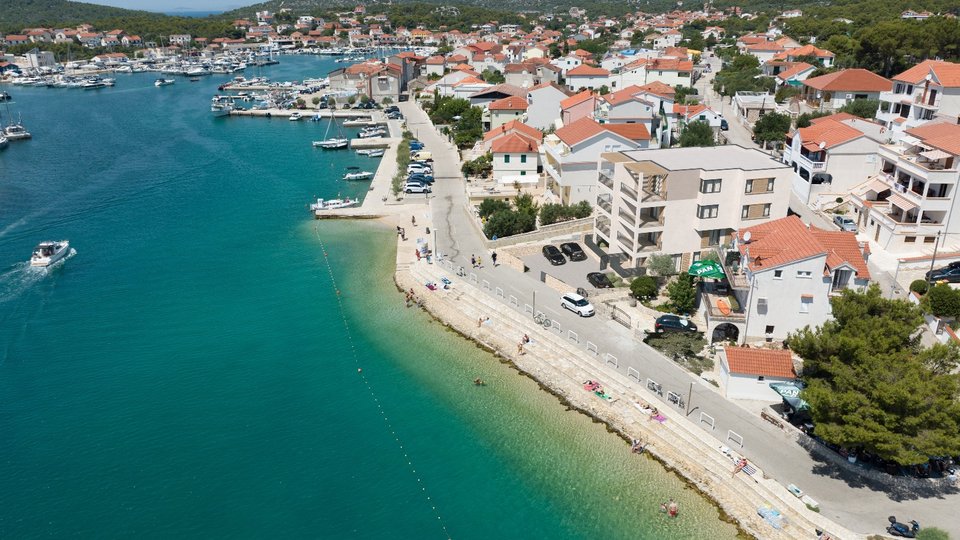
[(823, 145), (746, 236)]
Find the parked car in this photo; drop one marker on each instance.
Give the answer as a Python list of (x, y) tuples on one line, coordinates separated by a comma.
[(724, 126), (949, 273), (416, 187), (418, 169), (673, 323), (599, 280), (573, 250), (845, 223), (422, 178), (577, 304), (553, 255)]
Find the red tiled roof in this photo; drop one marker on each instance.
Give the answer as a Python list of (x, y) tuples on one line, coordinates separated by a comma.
[(509, 103), (851, 80), (623, 95), (941, 135), (842, 248), (829, 133), (787, 240), (576, 99), (584, 70), (765, 362), (947, 73), (634, 132), (579, 131), (512, 126), (513, 143), (795, 69), (660, 89)]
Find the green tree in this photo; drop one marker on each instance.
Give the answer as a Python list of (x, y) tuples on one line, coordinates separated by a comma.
[(493, 76), (919, 286), (870, 386), (682, 294), (489, 207), (942, 300), (771, 127), (481, 166), (864, 108), (644, 287), (554, 213), (697, 133), (508, 223), (804, 119), (661, 264)]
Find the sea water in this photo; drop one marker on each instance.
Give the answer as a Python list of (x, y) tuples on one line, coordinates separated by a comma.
[(192, 371)]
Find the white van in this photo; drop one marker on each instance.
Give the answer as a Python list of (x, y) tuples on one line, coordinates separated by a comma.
[(423, 156)]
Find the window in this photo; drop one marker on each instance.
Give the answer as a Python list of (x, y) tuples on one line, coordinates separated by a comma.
[(805, 274), (523, 158), (713, 237), (778, 274), (929, 239), (759, 377), (745, 211), (909, 239), (770, 184), (708, 212), (506, 158), (762, 306), (768, 329), (523, 173), (749, 187), (805, 302), (766, 210), (710, 186)]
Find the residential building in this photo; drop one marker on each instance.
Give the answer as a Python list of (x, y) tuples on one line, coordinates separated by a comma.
[(571, 155), (823, 57), (833, 155), (669, 71), (578, 106), (504, 110), (180, 39), (781, 275), (928, 90), (40, 59), (434, 66), (515, 159), (794, 74), (543, 105), (912, 201), (510, 128), (746, 373), (587, 77), (834, 90), (750, 106), (683, 201), (523, 75)]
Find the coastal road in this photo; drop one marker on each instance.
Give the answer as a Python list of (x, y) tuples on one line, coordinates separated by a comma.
[(852, 503)]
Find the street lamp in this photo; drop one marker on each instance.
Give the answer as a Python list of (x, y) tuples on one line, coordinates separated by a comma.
[(933, 261)]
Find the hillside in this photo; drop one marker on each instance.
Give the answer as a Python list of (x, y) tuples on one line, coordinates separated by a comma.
[(23, 13)]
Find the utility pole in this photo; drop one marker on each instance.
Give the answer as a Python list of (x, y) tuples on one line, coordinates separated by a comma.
[(689, 395), (534, 303), (933, 261)]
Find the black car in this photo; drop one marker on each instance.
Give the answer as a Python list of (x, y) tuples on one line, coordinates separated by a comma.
[(673, 323), (949, 273), (599, 280), (574, 251), (553, 255), (422, 178)]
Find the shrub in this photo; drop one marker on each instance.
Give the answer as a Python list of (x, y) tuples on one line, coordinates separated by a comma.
[(481, 166), (554, 213), (644, 287), (682, 294), (508, 223), (932, 533), (919, 286), (943, 301)]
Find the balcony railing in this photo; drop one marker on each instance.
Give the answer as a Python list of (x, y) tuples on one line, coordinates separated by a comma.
[(628, 191), (714, 313), (736, 275), (605, 204), (627, 217), (606, 179), (810, 164)]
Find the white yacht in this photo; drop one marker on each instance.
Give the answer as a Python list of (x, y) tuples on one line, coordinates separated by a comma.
[(3, 142), (47, 253), (331, 204), (295, 117), (163, 82), (331, 144), (358, 175), (15, 132), (219, 108)]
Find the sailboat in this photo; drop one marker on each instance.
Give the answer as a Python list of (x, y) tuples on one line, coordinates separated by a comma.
[(14, 132), (334, 143)]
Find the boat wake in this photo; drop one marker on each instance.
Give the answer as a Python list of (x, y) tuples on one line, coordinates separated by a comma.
[(21, 277)]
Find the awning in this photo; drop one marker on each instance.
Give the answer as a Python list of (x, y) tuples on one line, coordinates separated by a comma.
[(935, 154), (902, 202), (519, 179), (647, 167), (876, 185)]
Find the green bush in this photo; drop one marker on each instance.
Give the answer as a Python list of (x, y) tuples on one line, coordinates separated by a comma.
[(508, 223), (491, 206), (482, 166), (682, 294), (932, 533), (555, 213), (942, 301), (644, 287), (919, 286), (661, 264)]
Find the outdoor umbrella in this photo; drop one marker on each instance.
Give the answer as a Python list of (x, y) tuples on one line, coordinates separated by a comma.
[(707, 269)]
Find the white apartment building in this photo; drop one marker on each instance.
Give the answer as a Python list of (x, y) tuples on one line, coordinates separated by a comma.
[(780, 276), (543, 105), (515, 159), (912, 201), (684, 201), (928, 90), (833, 155)]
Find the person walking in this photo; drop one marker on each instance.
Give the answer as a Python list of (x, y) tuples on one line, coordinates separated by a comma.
[(473, 261), (493, 257)]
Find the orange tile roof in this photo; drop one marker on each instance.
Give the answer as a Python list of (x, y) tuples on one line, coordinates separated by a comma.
[(576, 99), (634, 132), (584, 70), (795, 69), (842, 248), (830, 133), (806, 50), (941, 135), (579, 131), (509, 103), (659, 89), (469, 80), (947, 73), (435, 61), (850, 79), (689, 110), (671, 64), (788, 240), (766, 362), (623, 95), (512, 126), (513, 143)]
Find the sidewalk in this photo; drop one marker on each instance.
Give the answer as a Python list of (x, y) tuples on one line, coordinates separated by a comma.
[(846, 500)]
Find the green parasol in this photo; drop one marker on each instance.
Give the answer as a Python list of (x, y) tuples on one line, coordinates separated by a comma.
[(707, 269)]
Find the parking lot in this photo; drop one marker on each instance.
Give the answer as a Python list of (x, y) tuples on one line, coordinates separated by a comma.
[(573, 273)]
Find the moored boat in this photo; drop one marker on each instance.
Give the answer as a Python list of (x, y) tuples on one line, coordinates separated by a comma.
[(15, 132), (295, 117), (376, 153), (47, 253), (163, 82), (331, 144), (331, 204), (4, 142), (358, 175)]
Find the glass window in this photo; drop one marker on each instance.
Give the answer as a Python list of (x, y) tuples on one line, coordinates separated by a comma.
[(523, 158), (766, 210), (506, 158), (806, 274), (749, 187), (745, 211), (709, 211), (710, 186), (770, 184), (805, 302), (778, 274)]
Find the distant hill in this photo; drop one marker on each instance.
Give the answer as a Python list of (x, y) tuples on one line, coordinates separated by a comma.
[(19, 14)]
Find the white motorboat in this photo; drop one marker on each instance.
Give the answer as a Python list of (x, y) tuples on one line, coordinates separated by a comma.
[(163, 82), (368, 134), (4, 142), (376, 153), (16, 132), (295, 117), (356, 122), (358, 175), (365, 151), (332, 204), (47, 253), (331, 144), (220, 109)]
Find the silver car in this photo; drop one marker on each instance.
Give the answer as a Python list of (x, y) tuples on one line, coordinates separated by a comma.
[(577, 304), (845, 223)]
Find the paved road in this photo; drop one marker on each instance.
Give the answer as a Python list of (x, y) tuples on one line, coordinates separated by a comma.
[(851, 503), (738, 133)]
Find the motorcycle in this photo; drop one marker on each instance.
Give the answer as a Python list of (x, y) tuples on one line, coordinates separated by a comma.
[(902, 529)]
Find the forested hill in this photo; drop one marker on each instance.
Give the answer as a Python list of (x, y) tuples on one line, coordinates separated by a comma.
[(15, 15)]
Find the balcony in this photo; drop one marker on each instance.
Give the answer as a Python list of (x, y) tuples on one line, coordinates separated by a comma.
[(603, 227), (605, 204), (892, 97), (730, 260), (628, 191), (734, 313), (626, 217), (808, 164), (606, 179), (647, 219)]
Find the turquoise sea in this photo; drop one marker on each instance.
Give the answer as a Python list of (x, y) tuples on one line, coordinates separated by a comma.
[(187, 374)]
